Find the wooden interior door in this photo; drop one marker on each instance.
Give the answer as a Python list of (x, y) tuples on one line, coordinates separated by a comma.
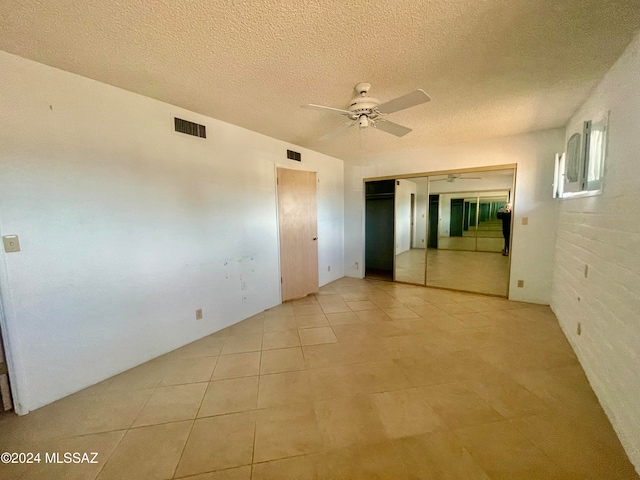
[(297, 215)]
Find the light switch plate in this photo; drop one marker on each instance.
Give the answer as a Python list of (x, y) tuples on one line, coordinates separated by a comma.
[(11, 243), (525, 220)]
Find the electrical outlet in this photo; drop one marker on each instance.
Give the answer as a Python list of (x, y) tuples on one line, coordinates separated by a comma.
[(520, 283), (329, 268), (244, 298), (423, 240), (357, 266), (199, 314), (579, 329), (586, 271), (11, 243), (525, 220)]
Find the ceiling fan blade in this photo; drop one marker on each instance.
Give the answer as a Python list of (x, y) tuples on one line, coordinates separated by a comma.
[(392, 128), (336, 132), (406, 101), (440, 180), (339, 111)]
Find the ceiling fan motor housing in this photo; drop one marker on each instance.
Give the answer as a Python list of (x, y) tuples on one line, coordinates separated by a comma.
[(363, 106)]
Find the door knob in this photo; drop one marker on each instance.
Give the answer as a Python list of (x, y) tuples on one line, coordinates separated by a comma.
[(315, 238)]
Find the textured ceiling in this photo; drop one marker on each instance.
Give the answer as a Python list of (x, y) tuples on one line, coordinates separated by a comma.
[(492, 67)]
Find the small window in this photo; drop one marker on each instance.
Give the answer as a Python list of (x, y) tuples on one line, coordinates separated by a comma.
[(595, 154), (580, 170)]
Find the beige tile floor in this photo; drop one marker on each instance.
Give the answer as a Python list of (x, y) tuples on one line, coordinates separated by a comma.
[(365, 380)]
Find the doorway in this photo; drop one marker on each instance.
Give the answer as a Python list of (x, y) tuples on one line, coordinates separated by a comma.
[(297, 218), (434, 212), (379, 229), (457, 214)]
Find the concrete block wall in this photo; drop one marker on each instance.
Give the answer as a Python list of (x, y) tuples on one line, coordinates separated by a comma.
[(602, 234)]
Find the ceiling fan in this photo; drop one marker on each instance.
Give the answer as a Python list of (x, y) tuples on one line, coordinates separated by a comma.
[(452, 177), (367, 111)]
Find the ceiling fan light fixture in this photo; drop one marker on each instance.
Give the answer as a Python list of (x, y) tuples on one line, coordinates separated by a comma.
[(364, 121)]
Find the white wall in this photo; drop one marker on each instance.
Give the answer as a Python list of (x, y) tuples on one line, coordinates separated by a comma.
[(603, 232), (533, 244), (403, 214), (125, 227), (422, 202)]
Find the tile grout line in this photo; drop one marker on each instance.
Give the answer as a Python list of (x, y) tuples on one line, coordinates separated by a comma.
[(126, 430), (184, 447)]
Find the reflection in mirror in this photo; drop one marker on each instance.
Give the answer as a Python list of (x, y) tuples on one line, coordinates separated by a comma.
[(464, 214), (489, 235), (458, 212), (411, 228)]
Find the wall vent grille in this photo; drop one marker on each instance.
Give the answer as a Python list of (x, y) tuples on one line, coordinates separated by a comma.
[(291, 155), (190, 128)]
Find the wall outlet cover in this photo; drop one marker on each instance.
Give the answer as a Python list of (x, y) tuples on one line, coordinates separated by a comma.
[(520, 283), (11, 243), (199, 314)]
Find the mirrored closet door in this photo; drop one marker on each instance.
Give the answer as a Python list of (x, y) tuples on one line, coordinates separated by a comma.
[(445, 231), (411, 229), (469, 252)]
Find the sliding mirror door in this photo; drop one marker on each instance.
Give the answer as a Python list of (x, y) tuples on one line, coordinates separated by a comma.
[(466, 241), (411, 203)]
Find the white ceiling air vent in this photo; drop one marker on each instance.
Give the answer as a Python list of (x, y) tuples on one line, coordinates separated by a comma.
[(190, 128)]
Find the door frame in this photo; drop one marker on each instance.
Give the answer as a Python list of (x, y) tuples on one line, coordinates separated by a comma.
[(6, 342), (412, 223)]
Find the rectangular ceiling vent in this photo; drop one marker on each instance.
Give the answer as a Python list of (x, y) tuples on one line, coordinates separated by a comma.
[(291, 155), (190, 128)]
